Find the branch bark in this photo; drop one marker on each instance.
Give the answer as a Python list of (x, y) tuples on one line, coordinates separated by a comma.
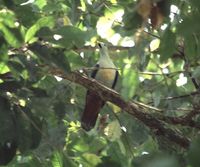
[(157, 126)]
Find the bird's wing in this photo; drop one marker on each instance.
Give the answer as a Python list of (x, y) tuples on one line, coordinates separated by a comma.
[(115, 80), (94, 72)]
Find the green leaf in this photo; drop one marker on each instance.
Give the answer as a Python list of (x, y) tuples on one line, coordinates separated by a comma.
[(10, 86), (156, 160), (122, 147), (167, 45), (118, 158), (52, 56), (69, 162), (12, 35), (57, 160), (196, 3), (156, 98), (74, 12), (41, 3), (8, 141), (7, 18), (28, 128), (36, 131), (47, 82), (26, 15), (61, 60), (76, 61), (185, 29), (7, 152), (132, 20), (97, 144), (3, 68), (107, 161), (60, 110), (129, 82), (52, 7), (113, 131), (7, 123), (193, 153), (23, 130), (196, 72), (15, 66), (164, 7), (91, 159), (138, 131), (3, 51), (164, 162), (43, 22), (71, 36), (81, 146), (191, 48), (9, 3)]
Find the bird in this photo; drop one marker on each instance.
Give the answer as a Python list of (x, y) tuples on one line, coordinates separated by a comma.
[(107, 74)]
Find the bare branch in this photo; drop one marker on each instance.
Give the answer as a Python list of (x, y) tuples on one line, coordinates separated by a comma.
[(156, 73), (185, 121), (156, 125), (181, 96), (112, 48)]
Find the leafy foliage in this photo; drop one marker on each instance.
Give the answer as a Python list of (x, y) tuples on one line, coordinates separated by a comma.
[(155, 45)]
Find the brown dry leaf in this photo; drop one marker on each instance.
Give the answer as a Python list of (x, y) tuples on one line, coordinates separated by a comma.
[(144, 8), (103, 122), (156, 17)]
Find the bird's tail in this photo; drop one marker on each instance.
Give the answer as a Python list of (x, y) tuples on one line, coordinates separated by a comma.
[(93, 105)]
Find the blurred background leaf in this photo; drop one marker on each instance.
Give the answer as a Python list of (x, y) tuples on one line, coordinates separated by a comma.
[(155, 45)]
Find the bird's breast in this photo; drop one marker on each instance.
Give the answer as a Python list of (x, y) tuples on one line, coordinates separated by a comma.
[(106, 76)]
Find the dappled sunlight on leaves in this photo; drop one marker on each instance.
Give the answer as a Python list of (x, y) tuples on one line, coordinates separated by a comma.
[(48, 50)]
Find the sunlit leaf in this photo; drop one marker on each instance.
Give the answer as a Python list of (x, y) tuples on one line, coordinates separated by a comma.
[(41, 3), (155, 46), (91, 159), (71, 36), (57, 160), (129, 83), (12, 35), (113, 131), (7, 18), (43, 22)]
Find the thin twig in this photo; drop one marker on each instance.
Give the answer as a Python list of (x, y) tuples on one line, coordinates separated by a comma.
[(155, 73), (153, 35), (110, 47), (182, 96)]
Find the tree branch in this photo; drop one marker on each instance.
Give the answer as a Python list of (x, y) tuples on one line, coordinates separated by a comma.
[(185, 121), (158, 127), (112, 48)]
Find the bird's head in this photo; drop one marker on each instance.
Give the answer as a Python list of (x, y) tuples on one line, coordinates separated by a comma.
[(103, 49)]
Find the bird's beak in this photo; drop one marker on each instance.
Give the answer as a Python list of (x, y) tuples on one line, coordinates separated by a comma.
[(100, 45)]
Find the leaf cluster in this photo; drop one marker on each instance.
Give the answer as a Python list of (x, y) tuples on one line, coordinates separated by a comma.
[(155, 45)]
